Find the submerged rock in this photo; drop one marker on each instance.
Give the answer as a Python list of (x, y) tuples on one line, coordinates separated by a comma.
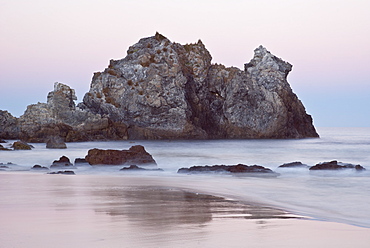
[(39, 167), (335, 165), (296, 164), (67, 172), (135, 155), (55, 142), (21, 145), (239, 168), (137, 168), (62, 162)]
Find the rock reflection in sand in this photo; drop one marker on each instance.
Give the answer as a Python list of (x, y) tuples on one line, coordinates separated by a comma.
[(153, 207)]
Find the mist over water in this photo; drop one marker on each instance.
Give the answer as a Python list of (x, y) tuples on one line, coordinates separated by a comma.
[(335, 196)]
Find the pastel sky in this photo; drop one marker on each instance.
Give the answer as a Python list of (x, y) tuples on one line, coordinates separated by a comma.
[(327, 41)]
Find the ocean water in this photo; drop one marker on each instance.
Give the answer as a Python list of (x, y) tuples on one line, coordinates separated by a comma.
[(332, 196)]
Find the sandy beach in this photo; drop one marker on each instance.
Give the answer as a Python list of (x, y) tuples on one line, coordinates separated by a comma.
[(39, 210)]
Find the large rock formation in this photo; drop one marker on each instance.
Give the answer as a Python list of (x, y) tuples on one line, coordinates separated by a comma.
[(164, 90)]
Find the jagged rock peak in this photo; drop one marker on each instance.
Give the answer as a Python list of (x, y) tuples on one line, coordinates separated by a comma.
[(62, 96), (264, 60)]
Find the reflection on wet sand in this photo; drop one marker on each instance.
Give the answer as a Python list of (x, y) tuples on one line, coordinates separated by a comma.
[(164, 207), (106, 211)]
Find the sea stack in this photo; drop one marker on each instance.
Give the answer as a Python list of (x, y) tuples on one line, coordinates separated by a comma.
[(165, 90)]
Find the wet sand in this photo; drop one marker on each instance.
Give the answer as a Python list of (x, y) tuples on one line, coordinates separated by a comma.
[(39, 210)]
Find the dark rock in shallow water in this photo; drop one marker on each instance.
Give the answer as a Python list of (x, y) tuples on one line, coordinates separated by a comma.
[(296, 164), (39, 167), (135, 155), (55, 142), (67, 172), (239, 168), (21, 145), (137, 168), (3, 166), (3, 141), (335, 165), (62, 162)]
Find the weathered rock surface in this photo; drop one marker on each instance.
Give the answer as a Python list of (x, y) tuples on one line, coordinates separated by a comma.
[(62, 162), (239, 168), (137, 168), (55, 142), (135, 155), (165, 90), (21, 145), (296, 164), (335, 165)]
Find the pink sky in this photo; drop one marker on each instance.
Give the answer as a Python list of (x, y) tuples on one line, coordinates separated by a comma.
[(66, 41)]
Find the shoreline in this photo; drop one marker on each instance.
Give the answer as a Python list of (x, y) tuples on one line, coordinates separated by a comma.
[(108, 211)]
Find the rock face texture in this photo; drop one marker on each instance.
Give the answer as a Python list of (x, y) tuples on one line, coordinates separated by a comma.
[(9, 128), (165, 90)]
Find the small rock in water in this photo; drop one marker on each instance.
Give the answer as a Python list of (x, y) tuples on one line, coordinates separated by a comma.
[(135, 155), (55, 142), (137, 168), (2, 141), (335, 165), (20, 145), (239, 168), (67, 172), (62, 162), (296, 164), (39, 167)]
